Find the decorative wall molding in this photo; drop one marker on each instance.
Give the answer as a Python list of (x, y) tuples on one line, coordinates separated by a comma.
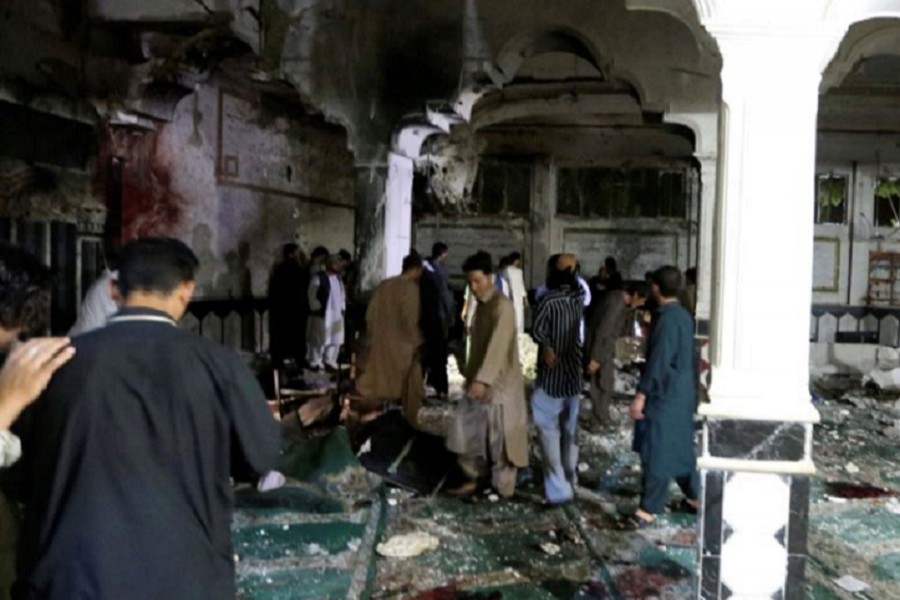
[(821, 270)]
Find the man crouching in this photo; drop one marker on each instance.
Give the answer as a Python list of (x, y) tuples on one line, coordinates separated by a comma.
[(490, 427)]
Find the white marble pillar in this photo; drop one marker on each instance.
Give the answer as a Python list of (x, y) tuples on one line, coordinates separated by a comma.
[(705, 127), (708, 192), (397, 214), (762, 283), (383, 228), (757, 435)]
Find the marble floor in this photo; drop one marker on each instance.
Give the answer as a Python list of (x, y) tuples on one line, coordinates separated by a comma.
[(300, 542)]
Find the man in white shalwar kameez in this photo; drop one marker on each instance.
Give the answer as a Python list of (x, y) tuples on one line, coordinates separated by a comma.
[(517, 292), (327, 303), (100, 303)]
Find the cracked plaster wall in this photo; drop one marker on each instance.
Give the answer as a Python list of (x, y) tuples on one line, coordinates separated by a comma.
[(841, 271), (281, 180), (366, 64)]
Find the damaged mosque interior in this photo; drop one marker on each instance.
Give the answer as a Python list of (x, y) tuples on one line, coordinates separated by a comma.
[(326, 161)]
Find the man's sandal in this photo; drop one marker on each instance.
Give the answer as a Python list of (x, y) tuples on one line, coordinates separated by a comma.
[(684, 507), (633, 523)]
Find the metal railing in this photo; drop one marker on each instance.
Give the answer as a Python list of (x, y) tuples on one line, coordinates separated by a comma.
[(242, 324), (238, 323), (835, 323)]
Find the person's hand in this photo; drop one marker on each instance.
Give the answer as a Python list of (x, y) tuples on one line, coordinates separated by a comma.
[(478, 392), (636, 410), (27, 372), (593, 367), (550, 357)]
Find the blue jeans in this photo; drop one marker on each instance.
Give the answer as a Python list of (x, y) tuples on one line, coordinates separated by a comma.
[(557, 422)]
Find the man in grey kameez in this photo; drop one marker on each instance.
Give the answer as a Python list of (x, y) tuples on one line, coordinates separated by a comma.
[(490, 428), (609, 322)]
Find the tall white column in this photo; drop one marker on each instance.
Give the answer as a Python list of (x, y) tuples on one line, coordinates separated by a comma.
[(762, 282), (397, 213), (757, 435), (708, 193), (705, 126)]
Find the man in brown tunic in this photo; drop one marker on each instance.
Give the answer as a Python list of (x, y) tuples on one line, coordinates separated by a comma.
[(608, 323), (490, 428), (393, 369)]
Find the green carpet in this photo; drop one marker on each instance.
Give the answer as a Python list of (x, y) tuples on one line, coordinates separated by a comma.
[(314, 537)]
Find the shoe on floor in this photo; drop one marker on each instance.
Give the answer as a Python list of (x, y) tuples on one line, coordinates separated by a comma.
[(466, 489)]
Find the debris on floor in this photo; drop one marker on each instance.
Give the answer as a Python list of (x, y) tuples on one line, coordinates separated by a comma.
[(851, 584), (408, 545), (520, 548)]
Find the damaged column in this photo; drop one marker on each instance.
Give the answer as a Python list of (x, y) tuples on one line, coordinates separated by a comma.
[(369, 224), (383, 228), (757, 434)]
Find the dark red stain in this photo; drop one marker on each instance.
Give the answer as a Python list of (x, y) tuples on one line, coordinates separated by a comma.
[(842, 489), (149, 205), (647, 582)]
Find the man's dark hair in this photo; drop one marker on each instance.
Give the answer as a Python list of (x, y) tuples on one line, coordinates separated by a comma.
[(438, 249), (111, 258), (690, 276), (638, 288), (345, 255), (669, 281), (156, 264), (24, 290), (611, 265), (551, 264), (480, 261), (515, 256), (412, 261), (560, 278), (320, 251), (504, 262), (288, 250)]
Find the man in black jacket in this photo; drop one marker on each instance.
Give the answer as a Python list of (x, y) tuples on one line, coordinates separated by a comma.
[(127, 455)]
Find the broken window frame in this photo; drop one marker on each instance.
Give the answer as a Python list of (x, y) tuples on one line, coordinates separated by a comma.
[(625, 193), (887, 202), (505, 170), (828, 212)]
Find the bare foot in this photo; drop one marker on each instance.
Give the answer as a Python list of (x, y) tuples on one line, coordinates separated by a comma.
[(644, 515)]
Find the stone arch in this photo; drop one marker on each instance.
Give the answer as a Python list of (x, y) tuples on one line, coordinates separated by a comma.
[(686, 11), (564, 39), (870, 37), (552, 39)]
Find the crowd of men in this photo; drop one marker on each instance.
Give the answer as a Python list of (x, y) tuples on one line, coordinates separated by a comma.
[(577, 326), (126, 462), (307, 306)]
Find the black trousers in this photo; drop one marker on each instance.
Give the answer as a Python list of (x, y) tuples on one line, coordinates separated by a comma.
[(435, 365)]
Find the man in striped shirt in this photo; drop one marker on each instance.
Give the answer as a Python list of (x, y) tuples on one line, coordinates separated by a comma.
[(557, 394)]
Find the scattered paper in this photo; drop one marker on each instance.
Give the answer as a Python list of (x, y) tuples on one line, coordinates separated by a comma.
[(270, 481), (851, 468), (851, 584), (365, 448), (550, 549), (494, 498), (409, 545), (316, 550), (582, 467)]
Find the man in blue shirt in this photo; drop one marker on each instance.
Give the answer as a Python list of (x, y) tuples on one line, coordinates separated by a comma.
[(664, 405)]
